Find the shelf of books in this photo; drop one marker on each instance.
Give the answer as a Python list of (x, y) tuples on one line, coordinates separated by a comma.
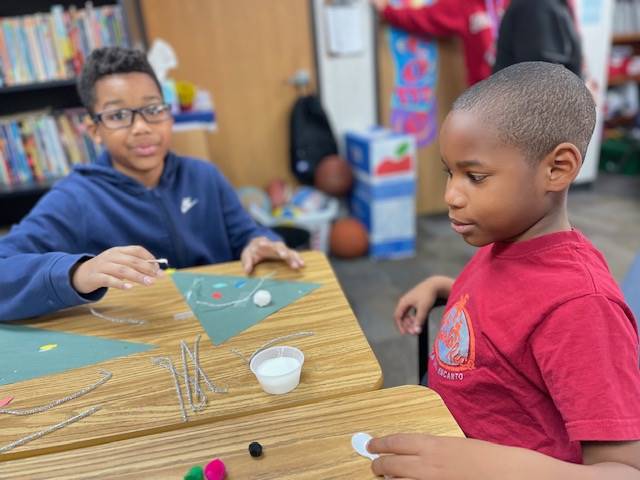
[(52, 46), (41, 137), (38, 148)]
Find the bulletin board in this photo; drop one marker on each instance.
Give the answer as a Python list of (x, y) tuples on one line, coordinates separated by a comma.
[(449, 83)]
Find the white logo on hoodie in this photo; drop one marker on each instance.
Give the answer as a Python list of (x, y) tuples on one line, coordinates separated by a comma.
[(187, 204)]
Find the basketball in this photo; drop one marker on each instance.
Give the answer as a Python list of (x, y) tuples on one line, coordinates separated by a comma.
[(333, 176), (349, 238)]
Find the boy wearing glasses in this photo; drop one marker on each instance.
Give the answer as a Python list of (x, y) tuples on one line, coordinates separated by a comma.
[(104, 225)]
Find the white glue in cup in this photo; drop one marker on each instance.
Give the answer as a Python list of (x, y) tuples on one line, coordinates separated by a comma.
[(278, 368)]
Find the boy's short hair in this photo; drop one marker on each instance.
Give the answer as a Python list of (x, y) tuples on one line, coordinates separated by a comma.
[(110, 61), (534, 106)]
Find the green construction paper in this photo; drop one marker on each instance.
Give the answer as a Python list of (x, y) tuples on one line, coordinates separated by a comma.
[(21, 358), (225, 322)]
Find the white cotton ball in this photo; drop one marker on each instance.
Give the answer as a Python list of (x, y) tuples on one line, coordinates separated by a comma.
[(262, 298)]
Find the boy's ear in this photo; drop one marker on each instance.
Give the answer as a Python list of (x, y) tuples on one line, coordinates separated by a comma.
[(92, 129), (562, 166)]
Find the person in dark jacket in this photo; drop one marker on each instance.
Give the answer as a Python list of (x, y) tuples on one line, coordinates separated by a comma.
[(540, 30), (105, 224)]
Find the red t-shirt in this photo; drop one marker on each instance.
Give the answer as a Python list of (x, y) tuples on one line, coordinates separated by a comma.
[(474, 21), (537, 348)]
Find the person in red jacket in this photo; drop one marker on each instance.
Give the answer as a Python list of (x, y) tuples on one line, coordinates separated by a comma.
[(476, 22)]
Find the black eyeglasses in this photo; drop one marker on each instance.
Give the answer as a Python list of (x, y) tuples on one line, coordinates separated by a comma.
[(124, 117)]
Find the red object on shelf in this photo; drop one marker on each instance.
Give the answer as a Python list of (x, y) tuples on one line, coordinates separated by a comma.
[(617, 69), (279, 192)]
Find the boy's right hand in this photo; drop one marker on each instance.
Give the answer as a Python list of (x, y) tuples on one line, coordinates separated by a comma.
[(414, 306), (118, 267)]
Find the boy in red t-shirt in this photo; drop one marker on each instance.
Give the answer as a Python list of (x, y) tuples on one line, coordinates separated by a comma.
[(537, 354)]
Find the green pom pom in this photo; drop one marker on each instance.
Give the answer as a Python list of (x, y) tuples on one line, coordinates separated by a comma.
[(194, 473)]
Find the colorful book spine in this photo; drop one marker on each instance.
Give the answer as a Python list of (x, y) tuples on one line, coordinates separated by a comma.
[(24, 172), (38, 147), (7, 175), (7, 73), (9, 156), (52, 46), (34, 53)]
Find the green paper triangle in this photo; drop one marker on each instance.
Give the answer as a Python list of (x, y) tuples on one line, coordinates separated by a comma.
[(222, 323), (21, 358)]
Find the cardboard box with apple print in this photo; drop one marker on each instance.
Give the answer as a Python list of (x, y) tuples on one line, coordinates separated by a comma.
[(381, 154), (383, 195)]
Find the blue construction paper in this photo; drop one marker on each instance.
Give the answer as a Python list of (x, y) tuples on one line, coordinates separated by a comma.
[(225, 322), (21, 358)]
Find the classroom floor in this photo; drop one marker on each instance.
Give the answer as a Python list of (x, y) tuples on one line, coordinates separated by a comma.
[(608, 212)]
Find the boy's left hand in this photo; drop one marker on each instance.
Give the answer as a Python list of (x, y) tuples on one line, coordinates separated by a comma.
[(261, 248)]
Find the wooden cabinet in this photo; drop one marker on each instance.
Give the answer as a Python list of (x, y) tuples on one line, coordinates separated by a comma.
[(243, 52)]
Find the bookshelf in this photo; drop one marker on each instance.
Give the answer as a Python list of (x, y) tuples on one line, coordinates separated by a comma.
[(42, 48), (622, 79), (626, 38), (620, 151), (630, 40), (44, 85)]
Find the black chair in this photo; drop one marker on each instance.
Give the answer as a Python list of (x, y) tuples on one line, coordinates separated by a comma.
[(294, 237), (424, 344)]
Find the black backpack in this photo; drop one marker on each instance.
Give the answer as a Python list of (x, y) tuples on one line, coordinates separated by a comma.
[(311, 138)]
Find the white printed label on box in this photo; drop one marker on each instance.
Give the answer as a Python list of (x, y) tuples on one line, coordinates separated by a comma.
[(382, 155), (392, 219)]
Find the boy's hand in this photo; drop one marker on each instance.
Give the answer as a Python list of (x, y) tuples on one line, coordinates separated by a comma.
[(414, 306), (379, 5), (118, 267), (420, 456), (261, 248)]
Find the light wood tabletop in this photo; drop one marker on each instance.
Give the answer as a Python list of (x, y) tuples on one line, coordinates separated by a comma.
[(307, 442), (141, 397)]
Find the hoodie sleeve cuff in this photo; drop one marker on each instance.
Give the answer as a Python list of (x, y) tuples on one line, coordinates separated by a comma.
[(60, 282), (271, 235)]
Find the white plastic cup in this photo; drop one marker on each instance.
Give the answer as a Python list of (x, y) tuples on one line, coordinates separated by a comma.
[(278, 368)]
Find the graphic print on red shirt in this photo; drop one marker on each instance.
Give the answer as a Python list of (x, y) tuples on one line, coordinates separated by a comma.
[(537, 348), (455, 348)]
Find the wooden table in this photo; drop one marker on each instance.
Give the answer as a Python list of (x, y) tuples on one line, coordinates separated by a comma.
[(141, 398), (307, 442)]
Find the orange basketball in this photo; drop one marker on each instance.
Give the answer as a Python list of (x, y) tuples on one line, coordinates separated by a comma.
[(333, 176), (349, 238)]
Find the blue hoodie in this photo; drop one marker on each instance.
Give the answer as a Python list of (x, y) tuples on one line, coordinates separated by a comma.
[(192, 217)]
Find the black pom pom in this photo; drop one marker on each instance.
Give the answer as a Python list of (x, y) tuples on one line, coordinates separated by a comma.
[(255, 449)]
